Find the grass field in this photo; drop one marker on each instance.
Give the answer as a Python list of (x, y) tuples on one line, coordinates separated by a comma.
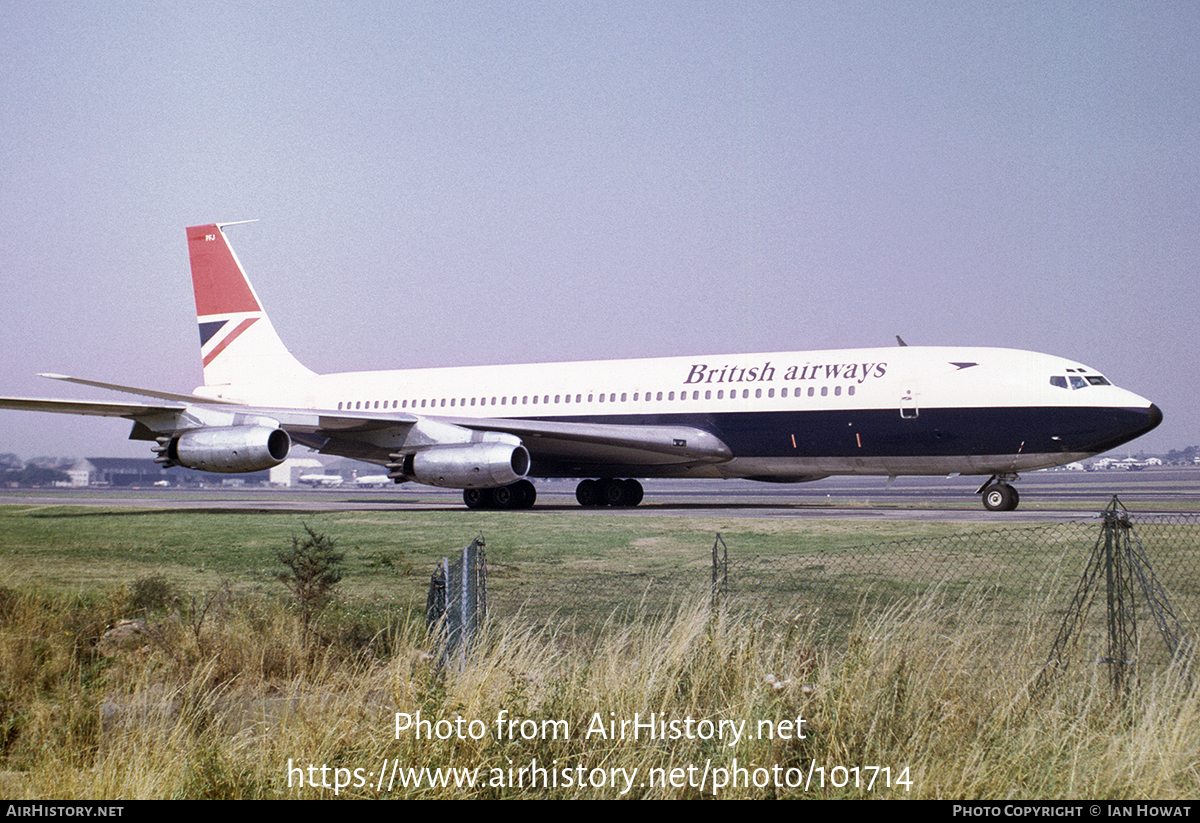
[(925, 677), (390, 554)]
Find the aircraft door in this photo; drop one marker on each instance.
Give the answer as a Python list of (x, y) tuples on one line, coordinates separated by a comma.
[(909, 408)]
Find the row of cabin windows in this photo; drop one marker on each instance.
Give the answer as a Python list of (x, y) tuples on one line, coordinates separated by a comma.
[(559, 399)]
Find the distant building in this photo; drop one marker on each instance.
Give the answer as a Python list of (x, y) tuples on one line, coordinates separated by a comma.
[(288, 472), (142, 471)]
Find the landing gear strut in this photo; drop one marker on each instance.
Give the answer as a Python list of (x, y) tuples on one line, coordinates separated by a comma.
[(519, 495), (998, 495), (609, 491)]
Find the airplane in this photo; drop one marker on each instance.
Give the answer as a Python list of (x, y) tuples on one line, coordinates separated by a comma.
[(781, 417), (322, 479), (373, 480)]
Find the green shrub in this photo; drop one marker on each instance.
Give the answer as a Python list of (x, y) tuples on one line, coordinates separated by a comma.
[(314, 568)]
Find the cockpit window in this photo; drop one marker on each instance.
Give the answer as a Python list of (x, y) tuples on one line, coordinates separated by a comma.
[(1073, 381)]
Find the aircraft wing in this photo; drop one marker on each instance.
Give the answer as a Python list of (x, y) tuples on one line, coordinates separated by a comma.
[(131, 411), (554, 447), (198, 412)]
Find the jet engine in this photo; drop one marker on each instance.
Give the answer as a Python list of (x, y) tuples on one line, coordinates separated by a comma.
[(466, 466), (227, 449)]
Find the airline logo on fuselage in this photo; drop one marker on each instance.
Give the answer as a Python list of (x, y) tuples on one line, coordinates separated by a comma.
[(766, 373)]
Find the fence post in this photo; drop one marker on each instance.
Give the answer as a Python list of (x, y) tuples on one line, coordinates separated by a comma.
[(456, 607), (1122, 609), (1127, 573), (720, 571)]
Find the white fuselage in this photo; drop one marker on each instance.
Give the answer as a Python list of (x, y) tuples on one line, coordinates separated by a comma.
[(903, 410)]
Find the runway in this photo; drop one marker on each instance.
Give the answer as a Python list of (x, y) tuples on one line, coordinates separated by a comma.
[(1045, 496)]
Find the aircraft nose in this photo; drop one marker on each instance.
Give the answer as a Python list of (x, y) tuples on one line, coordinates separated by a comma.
[(1153, 416)]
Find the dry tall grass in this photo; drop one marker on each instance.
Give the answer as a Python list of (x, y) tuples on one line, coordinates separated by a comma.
[(220, 708)]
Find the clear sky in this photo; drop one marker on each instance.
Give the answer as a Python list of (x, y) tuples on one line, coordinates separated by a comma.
[(450, 184)]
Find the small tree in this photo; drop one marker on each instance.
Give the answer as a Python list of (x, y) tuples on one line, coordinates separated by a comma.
[(314, 568)]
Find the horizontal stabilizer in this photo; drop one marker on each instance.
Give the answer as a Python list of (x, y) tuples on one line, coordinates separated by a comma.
[(161, 395)]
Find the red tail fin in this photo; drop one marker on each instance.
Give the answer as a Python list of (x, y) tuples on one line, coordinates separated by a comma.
[(238, 344), (217, 276)]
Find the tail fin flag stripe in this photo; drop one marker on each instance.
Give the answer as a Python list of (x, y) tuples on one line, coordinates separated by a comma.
[(207, 330), (229, 338)]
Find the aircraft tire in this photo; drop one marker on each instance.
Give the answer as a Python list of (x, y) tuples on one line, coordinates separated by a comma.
[(507, 497), (613, 492), (633, 492), (587, 494), (478, 498), (1000, 497), (528, 493)]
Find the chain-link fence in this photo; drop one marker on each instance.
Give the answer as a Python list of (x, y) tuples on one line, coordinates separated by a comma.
[(1024, 582), (457, 603)]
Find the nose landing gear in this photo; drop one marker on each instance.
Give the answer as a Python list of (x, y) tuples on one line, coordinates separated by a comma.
[(998, 495)]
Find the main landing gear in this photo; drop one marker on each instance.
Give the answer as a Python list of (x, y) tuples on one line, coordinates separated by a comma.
[(608, 491), (519, 495), (998, 495)]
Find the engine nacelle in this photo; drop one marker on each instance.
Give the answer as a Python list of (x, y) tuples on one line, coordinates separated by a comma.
[(471, 465), (228, 449)]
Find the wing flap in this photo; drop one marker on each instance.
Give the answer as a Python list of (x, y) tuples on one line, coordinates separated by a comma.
[(600, 443)]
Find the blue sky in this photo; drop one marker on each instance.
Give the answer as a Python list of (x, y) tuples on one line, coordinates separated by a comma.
[(449, 184)]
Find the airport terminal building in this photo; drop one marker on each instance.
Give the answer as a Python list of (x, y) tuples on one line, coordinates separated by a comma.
[(139, 471)]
